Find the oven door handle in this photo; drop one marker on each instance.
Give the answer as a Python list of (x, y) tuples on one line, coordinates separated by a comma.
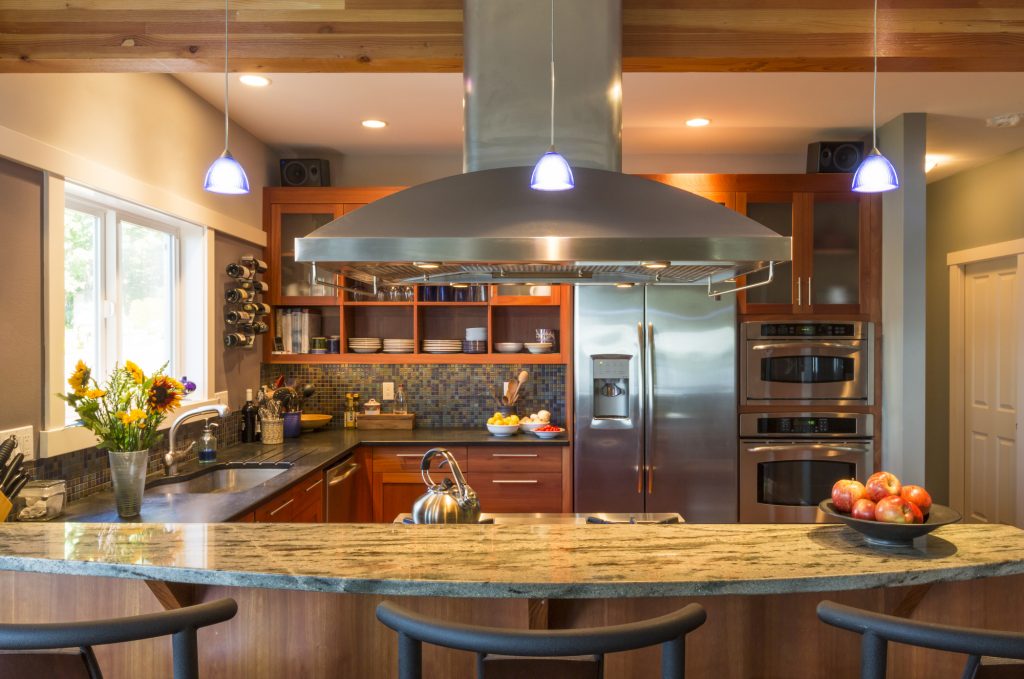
[(808, 446), (845, 348)]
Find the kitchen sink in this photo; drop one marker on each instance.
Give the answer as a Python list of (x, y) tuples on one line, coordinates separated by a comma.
[(218, 480)]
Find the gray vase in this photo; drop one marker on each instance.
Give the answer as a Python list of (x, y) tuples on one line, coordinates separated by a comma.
[(128, 474)]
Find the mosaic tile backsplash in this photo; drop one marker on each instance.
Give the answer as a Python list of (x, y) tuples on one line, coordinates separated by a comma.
[(443, 395), (88, 471)]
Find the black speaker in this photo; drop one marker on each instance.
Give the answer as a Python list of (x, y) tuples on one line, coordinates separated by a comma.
[(834, 156), (305, 172)]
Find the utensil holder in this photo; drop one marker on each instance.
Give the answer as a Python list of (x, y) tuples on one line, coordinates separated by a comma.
[(128, 474), (272, 431)]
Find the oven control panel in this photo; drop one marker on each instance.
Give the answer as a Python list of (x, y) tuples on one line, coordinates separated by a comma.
[(806, 425), (846, 330)]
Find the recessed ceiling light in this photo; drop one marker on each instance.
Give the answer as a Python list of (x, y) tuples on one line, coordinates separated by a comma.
[(698, 122), (254, 80), (374, 124), (427, 265)]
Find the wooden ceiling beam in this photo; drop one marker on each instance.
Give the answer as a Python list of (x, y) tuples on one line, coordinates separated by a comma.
[(426, 35)]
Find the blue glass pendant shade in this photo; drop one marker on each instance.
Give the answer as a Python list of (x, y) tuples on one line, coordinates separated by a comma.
[(552, 173), (875, 174), (226, 176)]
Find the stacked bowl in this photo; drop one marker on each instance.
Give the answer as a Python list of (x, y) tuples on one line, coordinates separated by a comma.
[(539, 347), (364, 345), (476, 341), (508, 347)]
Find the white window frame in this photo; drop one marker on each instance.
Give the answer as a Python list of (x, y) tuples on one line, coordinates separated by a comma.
[(192, 321)]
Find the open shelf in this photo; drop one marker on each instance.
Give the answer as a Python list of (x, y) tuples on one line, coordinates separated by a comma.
[(472, 359)]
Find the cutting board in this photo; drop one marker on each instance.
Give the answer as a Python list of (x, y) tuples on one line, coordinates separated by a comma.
[(386, 421)]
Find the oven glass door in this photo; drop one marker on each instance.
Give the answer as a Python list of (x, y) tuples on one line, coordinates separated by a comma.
[(800, 483), (808, 371)]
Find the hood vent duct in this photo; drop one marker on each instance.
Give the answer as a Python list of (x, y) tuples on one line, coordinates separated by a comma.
[(487, 225)]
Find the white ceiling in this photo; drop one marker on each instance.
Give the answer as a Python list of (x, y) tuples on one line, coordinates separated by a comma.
[(753, 114)]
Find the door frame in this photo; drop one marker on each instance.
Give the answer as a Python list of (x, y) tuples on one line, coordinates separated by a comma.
[(957, 263)]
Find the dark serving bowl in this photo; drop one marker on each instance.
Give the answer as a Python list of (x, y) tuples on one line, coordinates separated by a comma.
[(900, 534)]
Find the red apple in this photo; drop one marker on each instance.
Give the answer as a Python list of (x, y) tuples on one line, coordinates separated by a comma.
[(894, 509), (919, 496), (846, 492), (863, 509), (882, 484)]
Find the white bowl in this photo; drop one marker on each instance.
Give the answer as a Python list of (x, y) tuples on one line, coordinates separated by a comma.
[(508, 347), (539, 347), (549, 434), (530, 426), (503, 429)]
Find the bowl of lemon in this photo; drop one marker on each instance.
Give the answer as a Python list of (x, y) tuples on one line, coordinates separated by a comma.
[(503, 425)]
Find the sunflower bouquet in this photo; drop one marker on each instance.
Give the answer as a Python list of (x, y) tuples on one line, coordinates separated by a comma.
[(125, 411)]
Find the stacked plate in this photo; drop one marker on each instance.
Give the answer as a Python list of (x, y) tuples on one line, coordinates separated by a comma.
[(442, 346), (364, 345), (399, 346)]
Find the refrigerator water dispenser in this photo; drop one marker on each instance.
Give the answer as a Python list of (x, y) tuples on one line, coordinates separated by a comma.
[(611, 385)]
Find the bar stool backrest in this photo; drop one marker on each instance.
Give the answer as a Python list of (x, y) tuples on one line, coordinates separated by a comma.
[(180, 623), (668, 630), (878, 630)]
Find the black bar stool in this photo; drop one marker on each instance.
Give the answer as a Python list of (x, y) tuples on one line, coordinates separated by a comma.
[(413, 630), (878, 630), (181, 623)]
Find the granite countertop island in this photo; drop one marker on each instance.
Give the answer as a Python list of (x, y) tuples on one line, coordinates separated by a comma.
[(307, 454), (512, 561)]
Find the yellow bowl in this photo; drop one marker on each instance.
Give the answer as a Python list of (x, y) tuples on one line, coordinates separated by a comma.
[(311, 422)]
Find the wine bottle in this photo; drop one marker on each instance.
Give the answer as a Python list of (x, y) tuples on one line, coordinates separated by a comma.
[(256, 264), (237, 339), (255, 328), (236, 270), (238, 295), (232, 317), (250, 415), (251, 285), (256, 308)]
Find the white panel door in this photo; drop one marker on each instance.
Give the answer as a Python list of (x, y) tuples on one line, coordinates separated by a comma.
[(990, 351)]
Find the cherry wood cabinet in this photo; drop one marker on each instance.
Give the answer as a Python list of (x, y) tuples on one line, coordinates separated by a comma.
[(836, 265), (302, 503)]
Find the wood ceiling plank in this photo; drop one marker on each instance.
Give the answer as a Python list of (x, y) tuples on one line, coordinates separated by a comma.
[(426, 35)]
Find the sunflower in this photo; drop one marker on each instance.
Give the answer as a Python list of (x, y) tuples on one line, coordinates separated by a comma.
[(135, 371), (95, 393), (165, 394), (79, 378)]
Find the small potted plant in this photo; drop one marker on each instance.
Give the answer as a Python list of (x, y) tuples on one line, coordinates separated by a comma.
[(124, 414)]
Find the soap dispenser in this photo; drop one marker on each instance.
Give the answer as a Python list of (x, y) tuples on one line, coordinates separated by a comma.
[(208, 444)]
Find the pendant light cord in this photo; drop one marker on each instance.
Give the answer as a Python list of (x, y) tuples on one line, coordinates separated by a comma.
[(226, 75), (553, 73), (874, 81)]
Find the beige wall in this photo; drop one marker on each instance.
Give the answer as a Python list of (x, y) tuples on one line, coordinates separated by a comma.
[(21, 296), (145, 125), (978, 207), (236, 369)]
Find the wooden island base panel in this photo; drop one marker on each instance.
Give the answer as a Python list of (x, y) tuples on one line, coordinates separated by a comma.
[(307, 593)]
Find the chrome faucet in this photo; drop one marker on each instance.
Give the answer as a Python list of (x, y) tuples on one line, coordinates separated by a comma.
[(172, 457)]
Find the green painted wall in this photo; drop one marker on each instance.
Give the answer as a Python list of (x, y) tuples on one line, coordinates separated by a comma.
[(976, 207)]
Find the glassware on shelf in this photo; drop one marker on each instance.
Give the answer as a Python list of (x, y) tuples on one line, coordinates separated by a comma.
[(408, 293)]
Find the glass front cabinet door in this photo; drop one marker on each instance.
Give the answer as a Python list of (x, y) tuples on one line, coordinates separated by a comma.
[(293, 282)]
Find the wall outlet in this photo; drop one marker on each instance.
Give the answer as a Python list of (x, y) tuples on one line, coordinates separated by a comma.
[(389, 391), (26, 441)]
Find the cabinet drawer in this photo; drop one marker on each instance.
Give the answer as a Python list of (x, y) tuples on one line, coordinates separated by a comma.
[(309, 491), (515, 459), (280, 509), (518, 491), (407, 458)]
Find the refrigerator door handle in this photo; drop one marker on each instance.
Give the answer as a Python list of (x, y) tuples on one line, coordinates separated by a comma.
[(649, 428), (642, 354)]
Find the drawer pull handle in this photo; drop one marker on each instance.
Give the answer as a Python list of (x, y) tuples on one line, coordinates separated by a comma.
[(515, 481), (514, 455), (282, 506), (314, 485)]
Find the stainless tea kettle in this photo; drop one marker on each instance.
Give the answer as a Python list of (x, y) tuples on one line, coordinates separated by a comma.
[(445, 502)]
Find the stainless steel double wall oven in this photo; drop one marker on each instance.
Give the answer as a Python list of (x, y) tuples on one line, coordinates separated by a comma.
[(790, 460)]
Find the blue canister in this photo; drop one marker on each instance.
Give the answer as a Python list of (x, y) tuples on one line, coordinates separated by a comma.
[(292, 424), (334, 344)]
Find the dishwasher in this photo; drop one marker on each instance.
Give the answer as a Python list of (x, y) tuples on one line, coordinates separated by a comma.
[(342, 495)]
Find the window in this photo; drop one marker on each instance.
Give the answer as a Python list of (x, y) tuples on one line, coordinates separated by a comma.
[(122, 277)]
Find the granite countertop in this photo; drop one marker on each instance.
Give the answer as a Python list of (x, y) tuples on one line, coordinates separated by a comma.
[(512, 561), (307, 454)]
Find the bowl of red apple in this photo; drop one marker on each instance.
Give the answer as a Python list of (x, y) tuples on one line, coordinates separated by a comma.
[(885, 511)]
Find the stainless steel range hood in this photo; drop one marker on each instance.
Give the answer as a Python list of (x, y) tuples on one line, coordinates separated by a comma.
[(487, 225)]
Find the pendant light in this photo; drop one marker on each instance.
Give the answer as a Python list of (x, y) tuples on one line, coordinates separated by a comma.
[(875, 173), (226, 174), (552, 171)]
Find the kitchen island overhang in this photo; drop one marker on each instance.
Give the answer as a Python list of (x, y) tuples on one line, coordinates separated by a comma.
[(512, 561)]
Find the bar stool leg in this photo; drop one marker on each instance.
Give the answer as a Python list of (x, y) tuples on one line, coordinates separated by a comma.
[(186, 654), (873, 653), (673, 659), (410, 657)]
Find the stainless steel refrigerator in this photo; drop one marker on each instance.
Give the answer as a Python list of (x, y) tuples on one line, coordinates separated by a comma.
[(655, 402)]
